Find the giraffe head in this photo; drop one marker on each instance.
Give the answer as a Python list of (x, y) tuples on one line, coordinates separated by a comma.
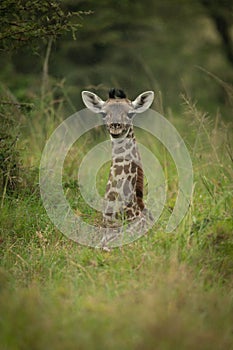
[(118, 111)]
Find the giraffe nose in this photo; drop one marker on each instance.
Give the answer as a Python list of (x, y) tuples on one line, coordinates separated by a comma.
[(116, 125)]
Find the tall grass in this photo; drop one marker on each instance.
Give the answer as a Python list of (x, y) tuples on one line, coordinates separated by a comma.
[(164, 291)]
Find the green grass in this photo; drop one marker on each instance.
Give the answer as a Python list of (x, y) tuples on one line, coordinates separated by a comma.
[(164, 291)]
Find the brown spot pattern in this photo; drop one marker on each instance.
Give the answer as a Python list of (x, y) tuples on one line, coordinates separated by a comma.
[(133, 167), (119, 160), (126, 168), (112, 196), (139, 188), (118, 169), (119, 150), (126, 188)]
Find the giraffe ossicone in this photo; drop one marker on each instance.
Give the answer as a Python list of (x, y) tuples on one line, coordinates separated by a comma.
[(124, 190)]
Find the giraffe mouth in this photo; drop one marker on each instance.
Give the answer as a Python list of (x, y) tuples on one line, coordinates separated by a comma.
[(117, 132)]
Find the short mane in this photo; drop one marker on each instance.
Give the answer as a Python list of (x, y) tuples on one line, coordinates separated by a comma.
[(116, 93)]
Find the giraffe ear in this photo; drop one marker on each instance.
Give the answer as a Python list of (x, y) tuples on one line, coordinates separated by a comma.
[(143, 102), (92, 101)]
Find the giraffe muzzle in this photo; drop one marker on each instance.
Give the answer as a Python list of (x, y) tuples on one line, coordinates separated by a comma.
[(116, 129)]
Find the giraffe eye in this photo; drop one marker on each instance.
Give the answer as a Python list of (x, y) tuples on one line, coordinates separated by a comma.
[(131, 114)]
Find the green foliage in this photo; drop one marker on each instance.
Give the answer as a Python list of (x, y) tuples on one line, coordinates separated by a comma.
[(141, 45), (135, 45), (9, 155), (26, 22), (164, 291)]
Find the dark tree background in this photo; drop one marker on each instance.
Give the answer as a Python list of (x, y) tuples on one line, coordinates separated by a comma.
[(168, 46)]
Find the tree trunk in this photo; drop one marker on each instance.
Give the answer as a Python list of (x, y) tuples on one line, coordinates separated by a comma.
[(220, 13)]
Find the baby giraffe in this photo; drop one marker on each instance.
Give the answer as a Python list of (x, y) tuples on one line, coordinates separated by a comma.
[(124, 191)]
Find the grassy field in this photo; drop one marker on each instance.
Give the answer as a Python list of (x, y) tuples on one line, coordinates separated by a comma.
[(164, 291)]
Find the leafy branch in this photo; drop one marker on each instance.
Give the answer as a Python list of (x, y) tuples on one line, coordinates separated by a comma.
[(24, 22)]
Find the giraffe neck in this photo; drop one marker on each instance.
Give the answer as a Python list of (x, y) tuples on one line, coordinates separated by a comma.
[(125, 184), (124, 150)]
